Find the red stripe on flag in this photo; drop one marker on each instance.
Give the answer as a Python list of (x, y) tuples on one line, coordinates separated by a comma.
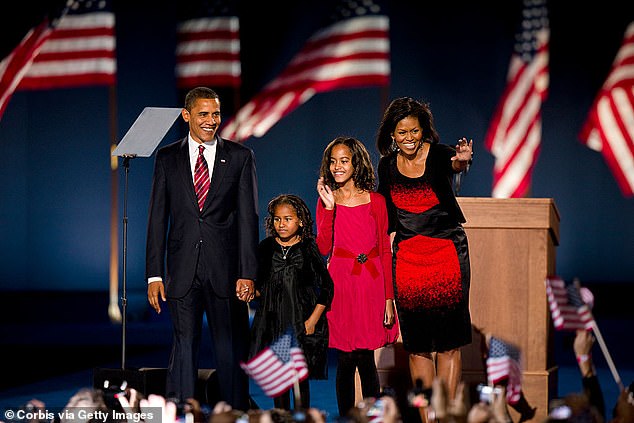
[(350, 53), (503, 364), (565, 314), (208, 52), (609, 127), (79, 52), (16, 64), (514, 135), (277, 367)]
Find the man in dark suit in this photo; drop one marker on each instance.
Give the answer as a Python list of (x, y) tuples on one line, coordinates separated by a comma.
[(201, 248)]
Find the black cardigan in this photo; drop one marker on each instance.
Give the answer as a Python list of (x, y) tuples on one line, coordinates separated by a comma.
[(438, 167)]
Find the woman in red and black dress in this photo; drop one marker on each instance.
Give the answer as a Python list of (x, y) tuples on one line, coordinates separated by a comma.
[(430, 250)]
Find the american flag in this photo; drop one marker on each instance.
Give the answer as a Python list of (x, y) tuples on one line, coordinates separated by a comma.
[(567, 307), (80, 50), (208, 48), (353, 50), (277, 367), (610, 124), (503, 363), (14, 66), (514, 135)]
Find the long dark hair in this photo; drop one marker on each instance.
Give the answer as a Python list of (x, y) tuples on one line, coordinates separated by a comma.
[(363, 174), (303, 213), (398, 110)]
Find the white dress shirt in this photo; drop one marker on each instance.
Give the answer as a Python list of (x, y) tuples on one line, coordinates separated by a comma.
[(209, 153)]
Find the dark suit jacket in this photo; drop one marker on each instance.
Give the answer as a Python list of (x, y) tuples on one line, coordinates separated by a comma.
[(225, 233)]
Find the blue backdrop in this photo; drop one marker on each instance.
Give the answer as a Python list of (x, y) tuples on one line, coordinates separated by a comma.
[(55, 174)]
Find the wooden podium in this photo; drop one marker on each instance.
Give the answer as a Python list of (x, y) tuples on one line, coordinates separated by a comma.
[(512, 245), (512, 250)]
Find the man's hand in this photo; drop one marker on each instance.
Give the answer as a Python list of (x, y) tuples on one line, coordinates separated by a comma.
[(245, 290), (154, 291)]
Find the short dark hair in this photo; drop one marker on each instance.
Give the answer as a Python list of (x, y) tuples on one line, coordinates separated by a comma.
[(198, 93)]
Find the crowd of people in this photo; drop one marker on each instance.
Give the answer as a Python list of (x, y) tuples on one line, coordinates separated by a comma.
[(129, 406), (389, 259)]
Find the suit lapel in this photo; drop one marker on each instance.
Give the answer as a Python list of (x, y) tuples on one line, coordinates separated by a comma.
[(221, 164), (183, 168)]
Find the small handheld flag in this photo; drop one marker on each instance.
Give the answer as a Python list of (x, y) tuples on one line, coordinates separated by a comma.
[(277, 367), (503, 363)]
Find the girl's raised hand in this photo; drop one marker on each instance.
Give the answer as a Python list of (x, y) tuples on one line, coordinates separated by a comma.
[(326, 194)]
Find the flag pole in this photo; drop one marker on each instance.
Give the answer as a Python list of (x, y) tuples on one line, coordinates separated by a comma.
[(599, 337), (385, 98), (297, 405), (606, 354), (113, 307)]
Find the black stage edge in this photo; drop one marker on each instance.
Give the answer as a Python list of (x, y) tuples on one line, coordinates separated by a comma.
[(151, 380)]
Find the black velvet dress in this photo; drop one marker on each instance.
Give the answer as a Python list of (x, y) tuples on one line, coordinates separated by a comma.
[(290, 286)]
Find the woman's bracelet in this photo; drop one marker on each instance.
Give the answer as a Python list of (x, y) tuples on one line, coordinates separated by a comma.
[(583, 358)]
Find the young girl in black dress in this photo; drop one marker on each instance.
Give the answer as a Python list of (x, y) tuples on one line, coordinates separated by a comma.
[(294, 289)]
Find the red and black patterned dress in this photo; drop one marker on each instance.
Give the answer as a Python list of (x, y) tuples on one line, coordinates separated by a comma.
[(431, 254)]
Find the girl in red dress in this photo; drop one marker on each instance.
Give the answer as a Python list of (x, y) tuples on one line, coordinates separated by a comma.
[(352, 231)]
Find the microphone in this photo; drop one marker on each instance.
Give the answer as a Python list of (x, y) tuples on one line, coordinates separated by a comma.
[(457, 181)]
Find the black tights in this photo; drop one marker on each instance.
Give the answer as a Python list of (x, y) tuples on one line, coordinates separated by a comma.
[(347, 363), (284, 401)]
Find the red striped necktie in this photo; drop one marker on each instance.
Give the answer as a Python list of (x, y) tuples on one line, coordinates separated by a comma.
[(201, 177)]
